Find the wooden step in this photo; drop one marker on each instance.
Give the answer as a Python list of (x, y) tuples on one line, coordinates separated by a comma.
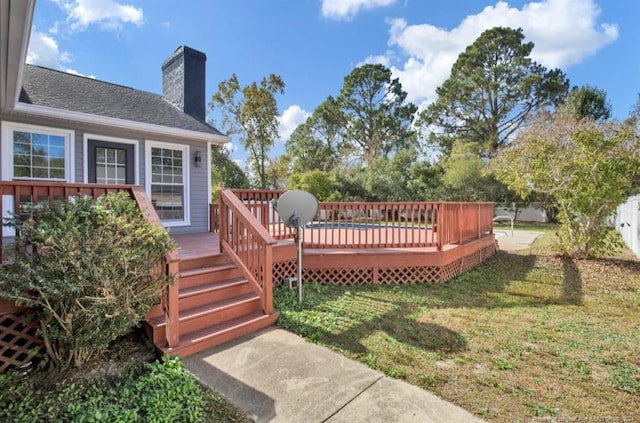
[(220, 333), (204, 261), (207, 274), (214, 291), (194, 319)]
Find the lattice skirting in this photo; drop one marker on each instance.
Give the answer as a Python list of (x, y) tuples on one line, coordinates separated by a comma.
[(384, 275), (284, 269), (19, 341)]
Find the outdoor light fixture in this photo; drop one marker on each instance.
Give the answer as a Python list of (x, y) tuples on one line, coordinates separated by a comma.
[(197, 158)]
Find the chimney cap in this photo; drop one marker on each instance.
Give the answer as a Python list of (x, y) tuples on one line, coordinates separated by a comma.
[(186, 51)]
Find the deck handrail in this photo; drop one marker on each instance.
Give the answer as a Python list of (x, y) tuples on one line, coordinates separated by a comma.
[(261, 204), (169, 296), (40, 191), (392, 223), (249, 244)]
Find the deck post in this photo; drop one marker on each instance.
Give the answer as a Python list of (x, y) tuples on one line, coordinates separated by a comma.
[(268, 279), (172, 308), (479, 221)]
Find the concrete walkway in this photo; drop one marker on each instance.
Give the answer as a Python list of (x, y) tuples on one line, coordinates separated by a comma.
[(516, 240), (276, 376)]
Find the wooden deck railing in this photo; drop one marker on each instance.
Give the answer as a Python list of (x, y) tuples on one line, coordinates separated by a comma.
[(373, 225), (460, 222), (246, 240), (260, 204), (377, 224), (33, 192)]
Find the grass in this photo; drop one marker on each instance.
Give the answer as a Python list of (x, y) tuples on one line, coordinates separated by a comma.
[(522, 336)]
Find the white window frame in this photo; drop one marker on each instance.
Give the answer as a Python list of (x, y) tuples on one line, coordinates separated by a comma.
[(136, 154), (186, 157), (8, 128)]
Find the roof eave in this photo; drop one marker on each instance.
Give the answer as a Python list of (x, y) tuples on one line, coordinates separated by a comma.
[(52, 112), (14, 35)]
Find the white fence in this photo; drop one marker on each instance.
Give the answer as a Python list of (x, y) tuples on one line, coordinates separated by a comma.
[(628, 223)]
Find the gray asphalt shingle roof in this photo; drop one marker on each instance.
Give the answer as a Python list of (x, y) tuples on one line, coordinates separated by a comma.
[(47, 87)]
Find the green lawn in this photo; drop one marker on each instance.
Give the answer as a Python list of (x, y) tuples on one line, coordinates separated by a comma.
[(521, 336)]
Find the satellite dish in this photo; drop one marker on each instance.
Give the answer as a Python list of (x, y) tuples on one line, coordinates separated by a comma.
[(296, 208)]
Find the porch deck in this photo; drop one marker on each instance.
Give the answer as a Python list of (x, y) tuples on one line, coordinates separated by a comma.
[(356, 265)]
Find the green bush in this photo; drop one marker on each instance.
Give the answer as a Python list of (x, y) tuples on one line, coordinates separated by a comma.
[(88, 269), (159, 392)]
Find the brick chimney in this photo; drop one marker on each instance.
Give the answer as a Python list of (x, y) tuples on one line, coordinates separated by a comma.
[(183, 81)]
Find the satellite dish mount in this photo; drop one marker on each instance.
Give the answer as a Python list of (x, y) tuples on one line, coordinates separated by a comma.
[(296, 208)]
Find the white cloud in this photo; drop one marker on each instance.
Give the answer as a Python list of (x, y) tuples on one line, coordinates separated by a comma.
[(380, 59), (44, 51), (290, 119), (109, 14), (564, 32), (75, 72), (347, 9)]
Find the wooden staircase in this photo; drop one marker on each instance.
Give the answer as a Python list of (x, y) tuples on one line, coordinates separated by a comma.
[(217, 304)]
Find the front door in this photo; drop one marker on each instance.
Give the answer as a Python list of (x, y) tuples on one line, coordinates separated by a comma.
[(110, 163)]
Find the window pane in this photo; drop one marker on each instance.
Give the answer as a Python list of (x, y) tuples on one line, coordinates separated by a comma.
[(101, 155), (21, 172), (22, 137), (121, 175), (38, 155), (168, 201), (57, 173), (56, 141), (40, 172), (40, 140)]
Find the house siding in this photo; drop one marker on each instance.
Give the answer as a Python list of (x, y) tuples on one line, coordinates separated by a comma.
[(199, 203)]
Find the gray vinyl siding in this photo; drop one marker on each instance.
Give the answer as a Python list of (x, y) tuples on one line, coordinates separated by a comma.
[(198, 189)]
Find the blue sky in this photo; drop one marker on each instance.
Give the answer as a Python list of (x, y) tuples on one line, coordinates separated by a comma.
[(314, 44)]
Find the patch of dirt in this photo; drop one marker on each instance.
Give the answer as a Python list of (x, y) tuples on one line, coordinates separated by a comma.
[(125, 354)]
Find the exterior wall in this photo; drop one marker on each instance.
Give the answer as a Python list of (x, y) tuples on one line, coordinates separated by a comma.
[(627, 222), (198, 184)]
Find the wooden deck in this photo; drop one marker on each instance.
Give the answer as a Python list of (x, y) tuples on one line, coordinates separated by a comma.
[(357, 265)]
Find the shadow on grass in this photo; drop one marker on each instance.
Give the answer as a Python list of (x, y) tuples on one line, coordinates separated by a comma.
[(373, 313)]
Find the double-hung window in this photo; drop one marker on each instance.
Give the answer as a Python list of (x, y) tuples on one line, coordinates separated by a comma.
[(36, 153), (167, 177)]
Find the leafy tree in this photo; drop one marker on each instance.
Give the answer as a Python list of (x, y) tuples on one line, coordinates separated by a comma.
[(494, 86), (587, 102), (94, 275), (225, 173), (425, 182), (377, 118), (277, 172), (316, 144), (385, 179), (463, 168), (317, 182), (251, 112), (589, 168)]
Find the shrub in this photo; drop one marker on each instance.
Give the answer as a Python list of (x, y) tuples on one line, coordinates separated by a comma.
[(159, 392), (88, 268)]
